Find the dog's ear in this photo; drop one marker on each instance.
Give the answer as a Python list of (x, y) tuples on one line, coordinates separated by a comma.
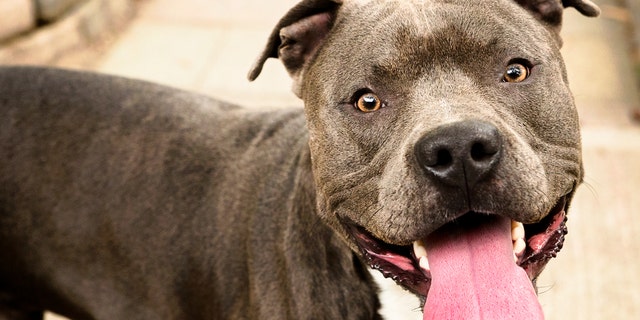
[(298, 35), (550, 11)]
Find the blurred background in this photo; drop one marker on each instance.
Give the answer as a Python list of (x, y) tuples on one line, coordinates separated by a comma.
[(208, 46)]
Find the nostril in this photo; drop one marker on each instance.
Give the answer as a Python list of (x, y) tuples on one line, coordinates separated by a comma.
[(444, 158), (480, 152)]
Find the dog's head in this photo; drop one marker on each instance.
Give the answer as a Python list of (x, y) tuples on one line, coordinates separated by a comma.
[(439, 128)]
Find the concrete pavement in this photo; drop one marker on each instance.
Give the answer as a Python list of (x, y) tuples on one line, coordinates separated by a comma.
[(202, 45), (208, 46)]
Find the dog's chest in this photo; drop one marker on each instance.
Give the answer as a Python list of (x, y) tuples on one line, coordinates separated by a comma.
[(397, 303)]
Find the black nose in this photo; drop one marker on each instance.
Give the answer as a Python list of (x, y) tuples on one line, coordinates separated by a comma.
[(460, 154)]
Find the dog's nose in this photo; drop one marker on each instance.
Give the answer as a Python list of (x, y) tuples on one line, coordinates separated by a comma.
[(460, 154)]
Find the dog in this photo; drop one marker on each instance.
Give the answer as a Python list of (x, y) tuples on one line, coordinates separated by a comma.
[(439, 144)]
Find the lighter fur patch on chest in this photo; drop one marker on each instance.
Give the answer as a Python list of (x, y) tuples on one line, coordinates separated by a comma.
[(397, 303)]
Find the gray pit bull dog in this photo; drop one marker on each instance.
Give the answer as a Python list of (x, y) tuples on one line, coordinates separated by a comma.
[(439, 144)]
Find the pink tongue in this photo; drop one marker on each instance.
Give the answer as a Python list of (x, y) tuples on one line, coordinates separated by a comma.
[(474, 276)]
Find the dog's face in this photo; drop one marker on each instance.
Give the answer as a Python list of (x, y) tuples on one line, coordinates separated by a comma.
[(397, 71), (434, 115)]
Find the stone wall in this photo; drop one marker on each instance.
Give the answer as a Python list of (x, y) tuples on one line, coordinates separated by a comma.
[(46, 31)]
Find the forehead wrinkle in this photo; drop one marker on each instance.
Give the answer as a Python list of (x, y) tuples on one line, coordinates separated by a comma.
[(431, 37), (430, 26), (444, 47), (384, 18), (415, 18), (449, 33), (400, 10)]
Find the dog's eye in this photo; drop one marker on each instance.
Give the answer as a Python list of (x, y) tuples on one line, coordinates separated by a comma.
[(516, 72), (368, 102)]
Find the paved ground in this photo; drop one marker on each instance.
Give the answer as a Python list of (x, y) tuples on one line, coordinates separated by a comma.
[(208, 46)]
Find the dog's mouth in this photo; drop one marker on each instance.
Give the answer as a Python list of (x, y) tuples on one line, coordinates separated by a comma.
[(474, 245)]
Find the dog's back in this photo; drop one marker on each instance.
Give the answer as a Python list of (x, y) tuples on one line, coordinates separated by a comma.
[(106, 184)]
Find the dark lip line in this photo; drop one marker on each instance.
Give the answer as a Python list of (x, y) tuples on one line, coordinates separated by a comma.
[(541, 257), (532, 262), (416, 278)]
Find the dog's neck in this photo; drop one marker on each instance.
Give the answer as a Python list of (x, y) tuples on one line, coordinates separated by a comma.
[(316, 263)]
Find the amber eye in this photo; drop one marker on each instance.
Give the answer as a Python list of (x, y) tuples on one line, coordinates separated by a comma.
[(368, 102), (516, 72)]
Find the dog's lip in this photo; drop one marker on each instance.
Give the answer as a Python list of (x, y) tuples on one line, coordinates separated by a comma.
[(544, 240), (393, 261)]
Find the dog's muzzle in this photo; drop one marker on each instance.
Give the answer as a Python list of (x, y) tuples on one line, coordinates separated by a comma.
[(485, 258)]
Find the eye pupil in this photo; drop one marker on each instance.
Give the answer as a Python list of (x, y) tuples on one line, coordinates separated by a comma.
[(516, 73), (368, 102)]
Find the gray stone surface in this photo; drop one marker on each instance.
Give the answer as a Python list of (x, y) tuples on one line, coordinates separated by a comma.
[(17, 17), (86, 24)]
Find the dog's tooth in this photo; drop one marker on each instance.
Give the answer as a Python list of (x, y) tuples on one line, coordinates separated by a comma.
[(424, 264), (419, 250), (517, 230), (518, 247), (517, 235)]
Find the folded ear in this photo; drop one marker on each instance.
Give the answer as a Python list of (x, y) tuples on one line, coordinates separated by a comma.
[(586, 7), (298, 36), (550, 11)]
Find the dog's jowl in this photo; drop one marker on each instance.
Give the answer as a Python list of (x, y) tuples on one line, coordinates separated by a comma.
[(438, 143)]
